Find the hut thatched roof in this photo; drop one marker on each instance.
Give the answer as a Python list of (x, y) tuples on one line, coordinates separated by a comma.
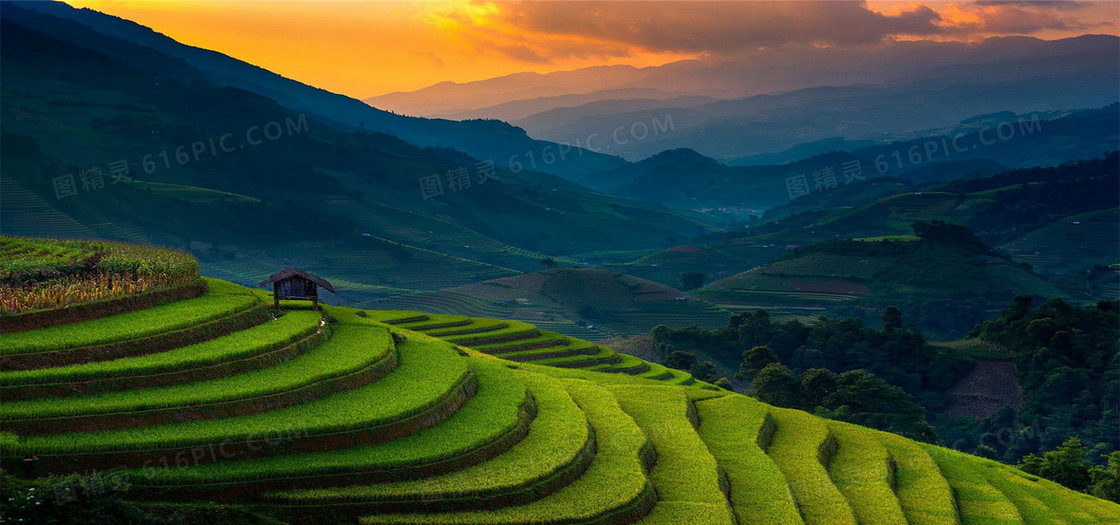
[(290, 272)]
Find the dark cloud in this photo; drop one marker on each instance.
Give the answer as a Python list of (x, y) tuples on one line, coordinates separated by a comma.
[(1051, 4), (718, 27), (544, 31), (1024, 17)]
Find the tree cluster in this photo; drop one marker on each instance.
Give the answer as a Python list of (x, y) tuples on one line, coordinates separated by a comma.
[(1068, 465), (701, 370), (855, 396), (897, 353), (1068, 361)]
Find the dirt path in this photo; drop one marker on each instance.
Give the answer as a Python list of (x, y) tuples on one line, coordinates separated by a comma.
[(990, 386)]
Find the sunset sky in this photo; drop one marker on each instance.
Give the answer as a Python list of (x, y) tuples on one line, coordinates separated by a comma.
[(363, 49)]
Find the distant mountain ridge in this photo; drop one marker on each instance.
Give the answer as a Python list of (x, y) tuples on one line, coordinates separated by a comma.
[(774, 70), (484, 140), (772, 101), (446, 96), (684, 179), (344, 203)]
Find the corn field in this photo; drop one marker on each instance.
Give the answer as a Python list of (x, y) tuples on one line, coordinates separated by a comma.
[(38, 274)]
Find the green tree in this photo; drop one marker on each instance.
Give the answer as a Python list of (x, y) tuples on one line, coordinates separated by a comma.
[(816, 385), (680, 360), (692, 280), (724, 384), (1106, 479), (865, 399), (754, 360), (661, 333), (549, 262), (1066, 359), (706, 372), (986, 451), (942, 232), (1020, 307), (892, 318), (1065, 465), (924, 432), (776, 385)]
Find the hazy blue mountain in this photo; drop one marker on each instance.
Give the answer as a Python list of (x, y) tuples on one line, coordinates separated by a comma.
[(615, 99), (733, 129), (451, 98), (983, 144), (782, 98)]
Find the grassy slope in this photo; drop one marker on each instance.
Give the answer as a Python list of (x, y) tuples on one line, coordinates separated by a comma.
[(419, 379), (796, 448), (615, 477), (494, 413), (507, 339), (1063, 250), (721, 458)]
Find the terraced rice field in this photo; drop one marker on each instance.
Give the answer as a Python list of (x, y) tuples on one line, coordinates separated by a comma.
[(803, 447), (445, 303), (406, 417), (525, 343), (26, 213), (559, 444), (223, 300), (1070, 244), (686, 475), (242, 345)]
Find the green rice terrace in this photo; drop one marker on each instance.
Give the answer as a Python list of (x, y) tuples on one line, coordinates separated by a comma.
[(377, 417), (567, 300)]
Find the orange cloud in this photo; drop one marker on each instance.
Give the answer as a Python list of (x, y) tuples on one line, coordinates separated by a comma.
[(975, 20), (1024, 18), (548, 30), (369, 48)]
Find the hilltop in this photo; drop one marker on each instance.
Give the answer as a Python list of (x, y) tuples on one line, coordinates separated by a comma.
[(945, 277), (402, 417), (1058, 223)]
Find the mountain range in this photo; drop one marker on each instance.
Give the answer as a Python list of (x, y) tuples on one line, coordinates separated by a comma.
[(140, 46), (352, 193), (732, 109)]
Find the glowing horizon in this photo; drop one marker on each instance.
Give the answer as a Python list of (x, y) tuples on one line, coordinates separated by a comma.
[(365, 49)]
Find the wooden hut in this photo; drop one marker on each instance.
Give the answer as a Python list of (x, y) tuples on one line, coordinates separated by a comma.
[(296, 284)]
